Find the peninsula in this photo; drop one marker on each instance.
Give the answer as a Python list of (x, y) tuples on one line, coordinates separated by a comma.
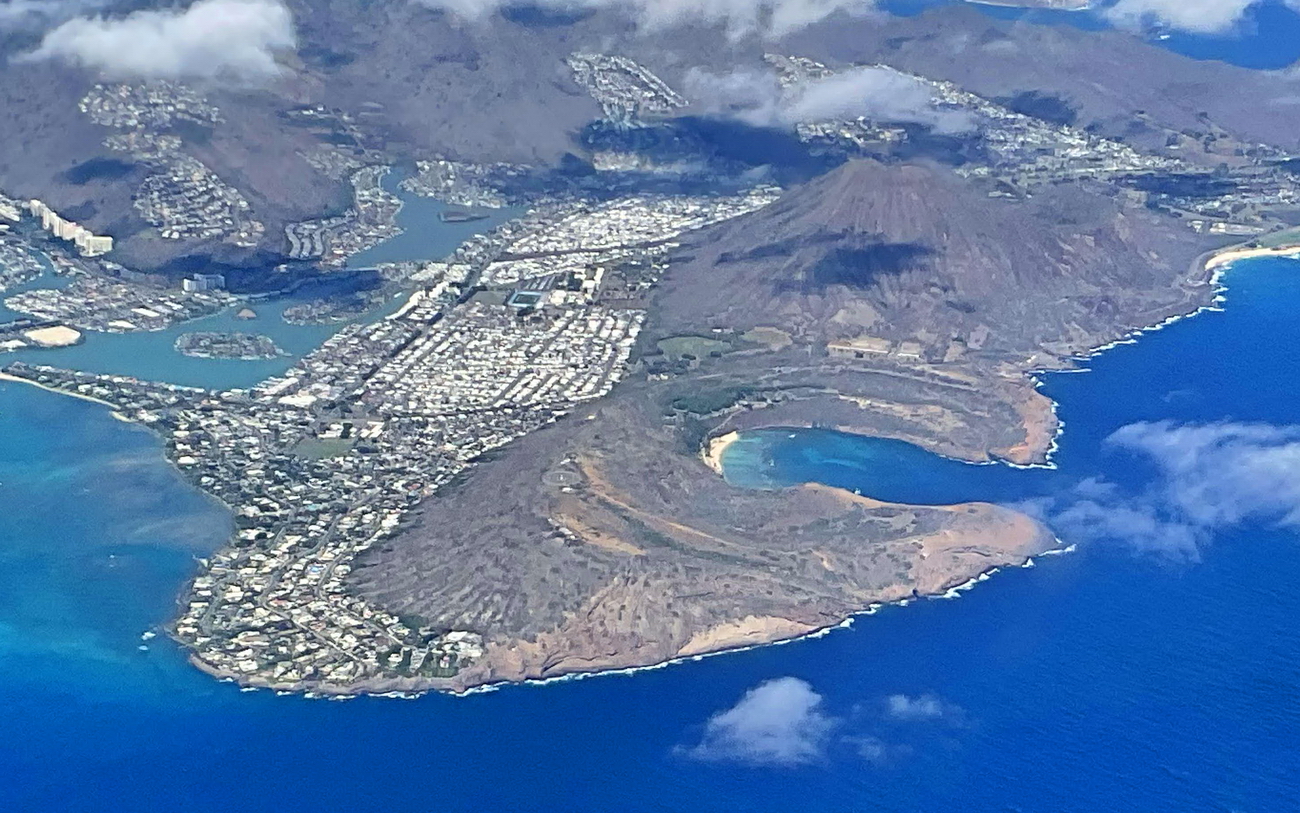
[(365, 561), (515, 475)]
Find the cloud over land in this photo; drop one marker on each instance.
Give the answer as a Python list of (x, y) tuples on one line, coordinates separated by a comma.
[(756, 98), (223, 40), (740, 18)]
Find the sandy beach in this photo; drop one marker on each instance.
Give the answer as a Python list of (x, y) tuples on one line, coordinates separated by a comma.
[(19, 380), (712, 453), (1231, 255)]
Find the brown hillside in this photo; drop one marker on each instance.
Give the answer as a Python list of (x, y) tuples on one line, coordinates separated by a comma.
[(915, 252)]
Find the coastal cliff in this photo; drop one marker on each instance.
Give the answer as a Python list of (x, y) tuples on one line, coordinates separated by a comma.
[(645, 555)]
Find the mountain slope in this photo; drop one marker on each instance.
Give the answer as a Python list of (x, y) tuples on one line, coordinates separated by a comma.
[(915, 253)]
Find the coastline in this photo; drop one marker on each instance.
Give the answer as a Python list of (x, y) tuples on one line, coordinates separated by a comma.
[(1210, 268), (957, 558), (112, 408), (1043, 430), (744, 633), (1231, 254), (1216, 264), (982, 539), (171, 464), (752, 632), (715, 449), (951, 591)]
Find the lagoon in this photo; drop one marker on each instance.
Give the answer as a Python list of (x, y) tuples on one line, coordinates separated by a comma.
[(152, 356), (425, 234)]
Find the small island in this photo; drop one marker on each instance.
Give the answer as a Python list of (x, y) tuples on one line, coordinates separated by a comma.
[(240, 346), (460, 216), (333, 309)]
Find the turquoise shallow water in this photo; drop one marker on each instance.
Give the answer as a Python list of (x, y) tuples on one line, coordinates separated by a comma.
[(96, 530), (1112, 679), (425, 236), (152, 356)]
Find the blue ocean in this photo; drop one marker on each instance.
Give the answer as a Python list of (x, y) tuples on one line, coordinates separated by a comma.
[(1114, 678), (1154, 668)]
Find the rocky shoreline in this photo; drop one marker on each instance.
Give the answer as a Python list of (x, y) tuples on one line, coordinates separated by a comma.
[(955, 545), (519, 664), (1018, 539), (1041, 433)]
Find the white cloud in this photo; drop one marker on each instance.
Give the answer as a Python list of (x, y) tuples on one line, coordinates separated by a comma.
[(232, 40), (1211, 477), (872, 749), (876, 93), (924, 707), (1140, 525), (38, 14), (740, 18), (1194, 16), (751, 96), (777, 723), (878, 752), (773, 19), (783, 723), (1222, 474), (756, 97)]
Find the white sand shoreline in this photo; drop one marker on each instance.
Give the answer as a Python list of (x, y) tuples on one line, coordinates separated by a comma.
[(713, 452), (112, 408), (1231, 255)]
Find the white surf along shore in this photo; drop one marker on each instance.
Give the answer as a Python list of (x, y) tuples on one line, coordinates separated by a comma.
[(714, 452), (1216, 264)]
